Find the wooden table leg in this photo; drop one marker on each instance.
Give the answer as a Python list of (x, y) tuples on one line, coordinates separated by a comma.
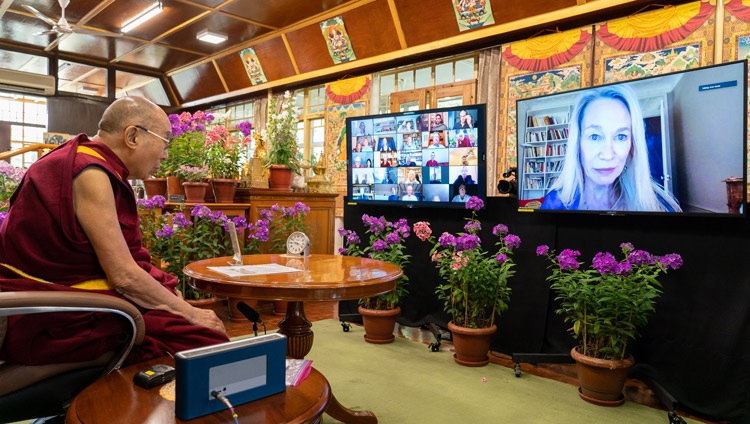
[(297, 329), (346, 415)]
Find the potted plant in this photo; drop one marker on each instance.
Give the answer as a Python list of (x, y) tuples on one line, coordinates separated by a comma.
[(224, 152), (187, 146), (177, 240), (475, 282), (606, 304), (193, 181), (283, 156), (10, 177), (385, 243)]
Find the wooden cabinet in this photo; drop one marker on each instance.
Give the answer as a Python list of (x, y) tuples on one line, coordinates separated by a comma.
[(320, 222)]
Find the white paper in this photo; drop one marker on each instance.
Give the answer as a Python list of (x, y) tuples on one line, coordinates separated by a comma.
[(244, 270)]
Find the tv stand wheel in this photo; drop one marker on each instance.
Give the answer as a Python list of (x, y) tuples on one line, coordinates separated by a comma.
[(517, 369), (345, 326), (435, 347)]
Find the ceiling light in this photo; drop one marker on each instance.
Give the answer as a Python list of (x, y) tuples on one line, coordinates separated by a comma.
[(144, 16), (211, 37)]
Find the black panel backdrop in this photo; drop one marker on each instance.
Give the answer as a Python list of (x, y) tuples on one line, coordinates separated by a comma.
[(73, 115), (697, 344)]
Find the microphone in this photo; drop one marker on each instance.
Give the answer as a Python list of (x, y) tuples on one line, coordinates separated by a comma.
[(252, 315)]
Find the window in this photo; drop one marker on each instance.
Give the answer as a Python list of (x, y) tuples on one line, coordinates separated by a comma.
[(311, 128), (232, 114), (27, 116), (419, 79), (79, 78)]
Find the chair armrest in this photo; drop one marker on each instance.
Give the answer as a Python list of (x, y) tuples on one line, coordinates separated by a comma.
[(32, 302)]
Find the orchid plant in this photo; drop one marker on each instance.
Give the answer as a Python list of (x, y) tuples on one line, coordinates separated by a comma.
[(386, 243), (475, 281), (607, 303), (282, 133)]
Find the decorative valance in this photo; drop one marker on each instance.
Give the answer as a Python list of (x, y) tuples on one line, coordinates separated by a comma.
[(547, 52), (655, 30), (739, 8), (348, 90)]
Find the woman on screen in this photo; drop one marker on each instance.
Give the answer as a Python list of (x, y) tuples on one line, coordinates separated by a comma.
[(606, 162)]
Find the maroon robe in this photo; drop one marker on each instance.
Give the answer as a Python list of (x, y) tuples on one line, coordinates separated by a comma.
[(42, 237)]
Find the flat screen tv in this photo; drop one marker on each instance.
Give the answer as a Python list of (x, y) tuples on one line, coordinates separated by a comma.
[(432, 157), (672, 143)]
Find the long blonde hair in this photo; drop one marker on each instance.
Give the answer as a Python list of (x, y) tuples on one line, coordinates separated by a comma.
[(635, 190)]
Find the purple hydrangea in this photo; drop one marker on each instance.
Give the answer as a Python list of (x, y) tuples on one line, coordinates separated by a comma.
[(379, 245), (499, 230), (467, 242), (474, 203), (512, 241), (568, 259), (473, 226), (542, 250), (501, 258), (605, 263), (393, 238), (164, 232), (640, 258), (447, 239), (180, 220), (3, 215), (671, 260)]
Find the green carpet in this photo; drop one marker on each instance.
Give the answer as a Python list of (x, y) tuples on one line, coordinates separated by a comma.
[(405, 383)]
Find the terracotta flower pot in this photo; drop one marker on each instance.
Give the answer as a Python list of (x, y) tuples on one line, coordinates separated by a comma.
[(174, 186), (224, 189), (601, 380), (155, 187), (471, 344), (280, 178), (195, 191), (379, 324)]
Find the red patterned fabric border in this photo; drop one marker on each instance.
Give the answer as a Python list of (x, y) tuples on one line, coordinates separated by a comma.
[(348, 91), (738, 9), (536, 64), (658, 41)]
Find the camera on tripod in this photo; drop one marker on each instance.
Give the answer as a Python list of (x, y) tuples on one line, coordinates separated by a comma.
[(508, 184)]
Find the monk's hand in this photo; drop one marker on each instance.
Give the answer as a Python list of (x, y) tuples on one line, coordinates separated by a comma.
[(207, 318)]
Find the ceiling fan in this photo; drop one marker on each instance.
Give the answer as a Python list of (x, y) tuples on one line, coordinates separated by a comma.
[(62, 27)]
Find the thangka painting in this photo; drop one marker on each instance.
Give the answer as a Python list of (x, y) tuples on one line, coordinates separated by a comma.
[(339, 45), (679, 58), (472, 14), (672, 39), (336, 129), (252, 66), (537, 66)]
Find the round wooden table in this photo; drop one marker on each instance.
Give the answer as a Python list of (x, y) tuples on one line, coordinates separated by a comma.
[(319, 277), (116, 399)]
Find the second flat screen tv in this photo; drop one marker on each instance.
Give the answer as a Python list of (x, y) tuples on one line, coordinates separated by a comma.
[(427, 158), (672, 144)]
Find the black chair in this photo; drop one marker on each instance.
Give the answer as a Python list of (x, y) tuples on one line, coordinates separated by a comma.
[(44, 393)]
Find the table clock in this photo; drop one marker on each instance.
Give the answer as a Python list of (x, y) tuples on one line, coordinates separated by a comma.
[(298, 244)]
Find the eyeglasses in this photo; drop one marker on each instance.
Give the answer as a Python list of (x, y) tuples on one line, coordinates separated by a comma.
[(165, 140)]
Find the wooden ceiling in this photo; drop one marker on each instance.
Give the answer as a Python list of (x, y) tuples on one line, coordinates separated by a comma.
[(285, 34)]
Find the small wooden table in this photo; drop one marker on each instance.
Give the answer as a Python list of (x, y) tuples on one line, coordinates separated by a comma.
[(116, 399), (320, 277)]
